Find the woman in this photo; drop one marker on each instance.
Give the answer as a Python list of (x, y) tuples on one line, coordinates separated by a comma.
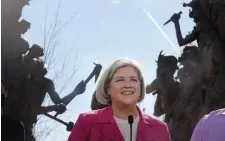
[(121, 87)]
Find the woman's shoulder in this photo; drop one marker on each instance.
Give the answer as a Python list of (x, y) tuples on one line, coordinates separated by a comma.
[(157, 126), (91, 115), (153, 121)]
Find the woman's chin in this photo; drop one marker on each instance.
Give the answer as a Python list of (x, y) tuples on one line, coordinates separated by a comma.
[(128, 102)]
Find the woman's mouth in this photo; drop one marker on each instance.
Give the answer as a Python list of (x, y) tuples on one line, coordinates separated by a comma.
[(127, 92)]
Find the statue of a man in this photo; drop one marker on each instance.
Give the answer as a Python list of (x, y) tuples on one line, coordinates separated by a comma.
[(11, 12), (199, 32), (26, 107), (209, 43), (15, 69), (11, 36), (164, 85), (191, 65)]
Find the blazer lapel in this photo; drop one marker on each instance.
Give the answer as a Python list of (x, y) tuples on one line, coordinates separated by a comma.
[(145, 132), (108, 129), (107, 126)]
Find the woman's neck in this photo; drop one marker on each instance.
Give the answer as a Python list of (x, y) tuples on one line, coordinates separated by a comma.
[(123, 111)]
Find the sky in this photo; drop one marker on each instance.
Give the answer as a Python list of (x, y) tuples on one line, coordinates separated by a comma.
[(102, 31)]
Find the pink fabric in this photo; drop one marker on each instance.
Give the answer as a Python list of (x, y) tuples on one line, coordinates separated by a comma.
[(211, 127), (99, 125)]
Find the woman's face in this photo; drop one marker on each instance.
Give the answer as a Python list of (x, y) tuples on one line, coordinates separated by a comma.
[(125, 86)]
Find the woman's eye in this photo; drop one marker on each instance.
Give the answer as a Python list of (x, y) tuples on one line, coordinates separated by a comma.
[(119, 80), (134, 80)]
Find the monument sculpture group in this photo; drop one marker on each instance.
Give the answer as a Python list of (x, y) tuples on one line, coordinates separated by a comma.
[(24, 84), (197, 89), (200, 88)]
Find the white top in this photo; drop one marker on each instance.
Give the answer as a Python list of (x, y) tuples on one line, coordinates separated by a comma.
[(124, 127)]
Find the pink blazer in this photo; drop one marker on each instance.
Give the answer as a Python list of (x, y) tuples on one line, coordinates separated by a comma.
[(99, 125)]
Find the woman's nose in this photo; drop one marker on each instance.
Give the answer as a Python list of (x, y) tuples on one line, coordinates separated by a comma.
[(127, 84)]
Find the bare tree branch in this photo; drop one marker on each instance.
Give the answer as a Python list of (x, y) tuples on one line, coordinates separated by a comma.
[(51, 43)]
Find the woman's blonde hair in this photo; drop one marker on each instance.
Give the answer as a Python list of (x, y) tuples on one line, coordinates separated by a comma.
[(102, 95)]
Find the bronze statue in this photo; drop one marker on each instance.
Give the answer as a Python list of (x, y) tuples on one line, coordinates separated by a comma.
[(15, 67), (191, 64), (201, 78), (12, 52), (214, 10), (34, 52), (11, 11), (24, 26), (14, 33), (80, 88), (191, 75), (207, 37), (95, 73), (12, 129), (165, 86), (191, 87), (27, 107)]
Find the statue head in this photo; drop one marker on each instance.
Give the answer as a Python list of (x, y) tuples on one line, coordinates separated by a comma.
[(190, 54), (27, 2), (37, 68), (21, 47), (22, 3), (166, 65), (24, 26), (36, 51), (195, 12)]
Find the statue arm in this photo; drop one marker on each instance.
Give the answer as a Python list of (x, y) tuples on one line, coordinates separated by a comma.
[(52, 93), (69, 97), (44, 110), (188, 39), (153, 86), (79, 89), (55, 97), (158, 109)]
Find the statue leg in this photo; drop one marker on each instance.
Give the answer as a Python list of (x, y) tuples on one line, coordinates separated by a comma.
[(158, 111), (12, 129), (28, 132)]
